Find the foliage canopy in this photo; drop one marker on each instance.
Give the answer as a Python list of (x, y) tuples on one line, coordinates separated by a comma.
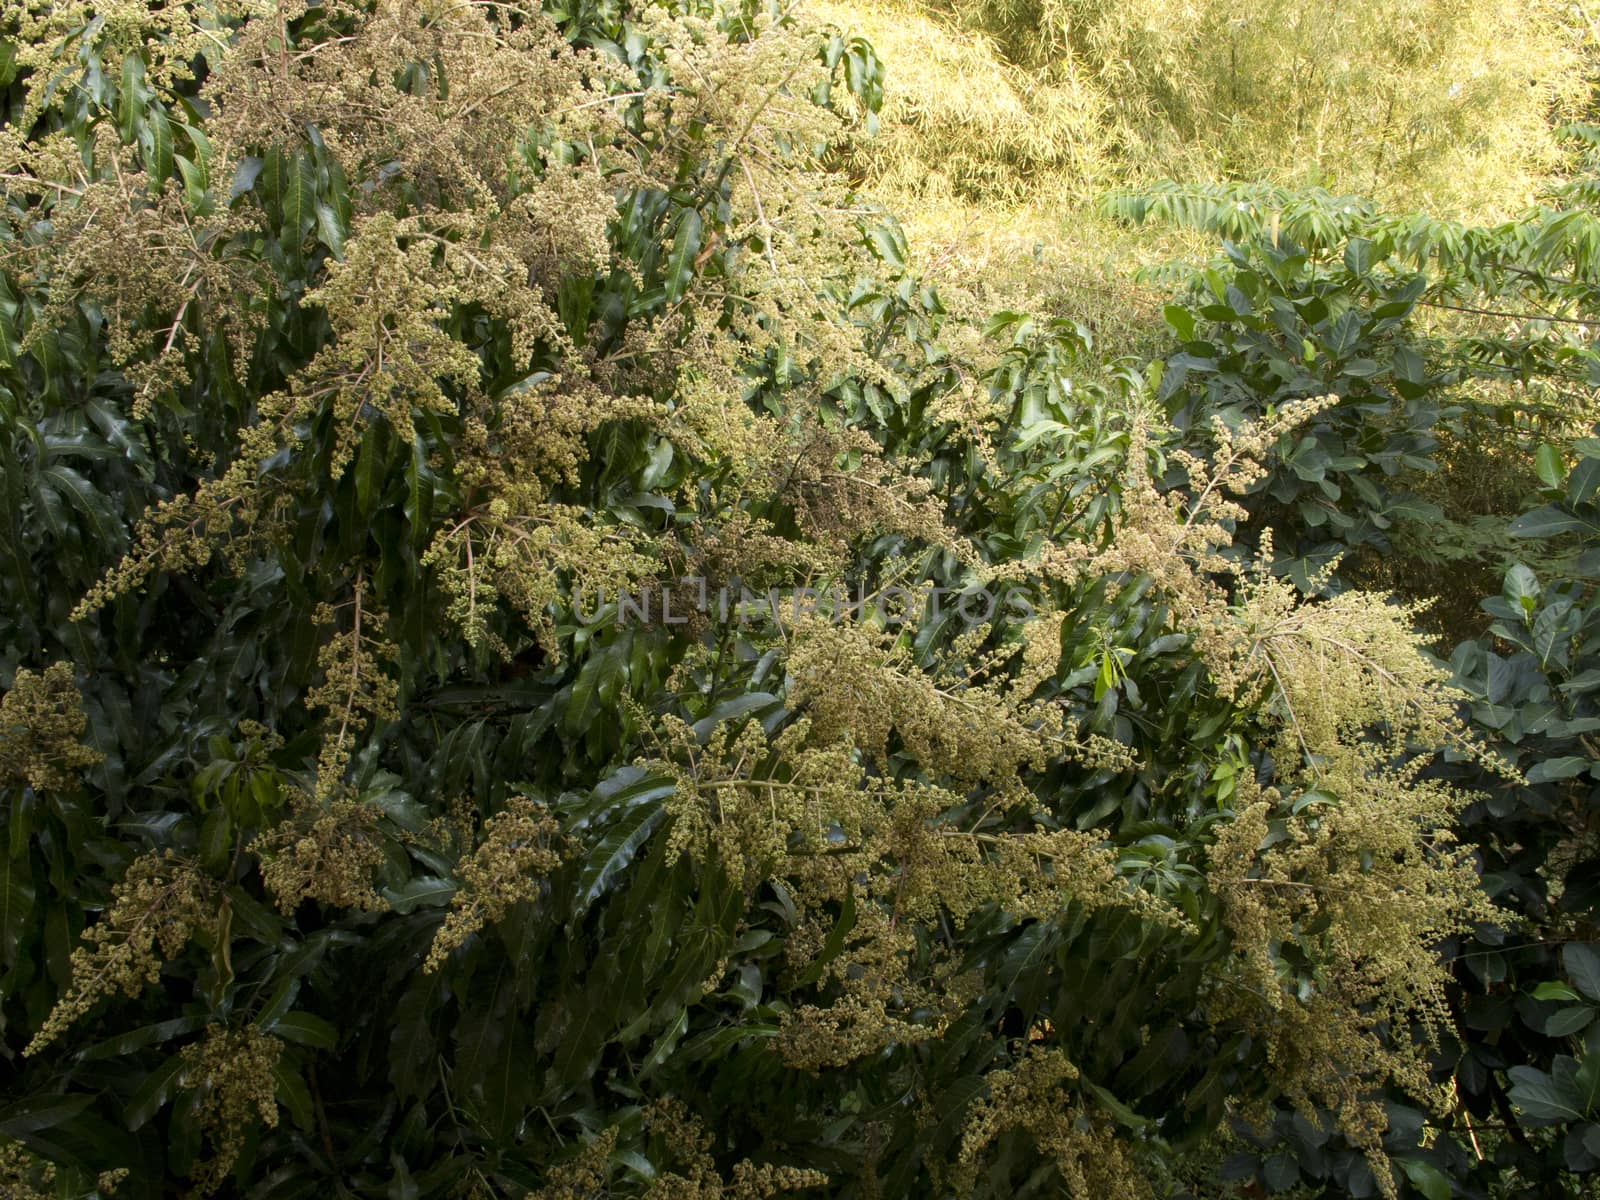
[(378, 379)]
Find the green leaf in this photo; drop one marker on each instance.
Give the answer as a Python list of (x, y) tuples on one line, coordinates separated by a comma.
[(889, 245), (369, 468), (1552, 989), (155, 140), (133, 97), (660, 461), (216, 839), (1541, 1097), (1549, 465), (194, 181), (1586, 1079), (1280, 1171), (1550, 769), (153, 1094), (624, 788), (685, 247), (951, 1108), (420, 481), (1001, 321), (833, 944), (423, 891), (575, 303), (1358, 256), (89, 501), (16, 905), (1127, 1117), (1426, 1178), (734, 708), (148, 1035), (292, 1093), (299, 201), (330, 230), (615, 850), (1522, 588), (1548, 521), (41, 1112), (1568, 1021), (1181, 320), (665, 1044), (279, 999), (1582, 962), (1584, 481), (244, 177), (307, 1029), (720, 1043), (411, 1041)]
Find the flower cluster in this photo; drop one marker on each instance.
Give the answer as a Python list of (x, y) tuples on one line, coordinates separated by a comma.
[(41, 731), (688, 1149), (162, 901), (233, 1072), (328, 850), (1035, 1097), (517, 851), (356, 689)]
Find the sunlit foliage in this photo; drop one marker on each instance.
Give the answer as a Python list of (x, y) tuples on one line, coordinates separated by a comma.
[(370, 375)]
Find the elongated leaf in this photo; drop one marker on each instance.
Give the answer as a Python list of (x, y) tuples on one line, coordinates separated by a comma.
[(1548, 464), (132, 97), (1547, 522), (1584, 482), (299, 200), (155, 140), (732, 709), (628, 787), (148, 1035), (16, 905), (91, 504), (615, 850), (1569, 1021), (194, 181), (307, 1029), (833, 944), (292, 1093), (245, 176), (153, 1094), (685, 247), (889, 245), (424, 891), (952, 1106), (330, 229), (41, 1112)]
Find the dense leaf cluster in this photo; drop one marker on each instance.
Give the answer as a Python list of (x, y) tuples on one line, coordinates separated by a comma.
[(370, 375), (1321, 293)]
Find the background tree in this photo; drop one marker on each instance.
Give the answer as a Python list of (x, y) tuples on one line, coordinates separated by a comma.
[(346, 350)]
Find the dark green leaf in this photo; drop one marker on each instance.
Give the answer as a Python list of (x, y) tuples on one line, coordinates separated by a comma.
[(685, 248), (1582, 962), (307, 1029), (615, 850)]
